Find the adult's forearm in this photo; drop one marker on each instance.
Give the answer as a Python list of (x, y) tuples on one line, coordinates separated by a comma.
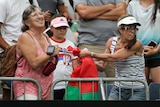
[(104, 57), (3, 43), (90, 12), (63, 10), (115, 13)]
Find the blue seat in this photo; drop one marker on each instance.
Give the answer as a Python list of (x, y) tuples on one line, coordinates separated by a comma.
[(154, 91)]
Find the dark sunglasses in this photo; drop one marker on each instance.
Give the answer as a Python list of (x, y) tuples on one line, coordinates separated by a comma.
[(130, 27)]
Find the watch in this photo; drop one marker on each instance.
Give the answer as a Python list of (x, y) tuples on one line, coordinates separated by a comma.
[(92, 54), (50, 50)]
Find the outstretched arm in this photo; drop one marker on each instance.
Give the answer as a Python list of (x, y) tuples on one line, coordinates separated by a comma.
[(118, 55)]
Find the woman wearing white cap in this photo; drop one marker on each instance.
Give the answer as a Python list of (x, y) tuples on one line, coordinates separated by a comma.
[(127, 53)]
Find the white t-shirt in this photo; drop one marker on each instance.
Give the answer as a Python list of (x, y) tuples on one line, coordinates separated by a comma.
[(64, 65), (11, 17)]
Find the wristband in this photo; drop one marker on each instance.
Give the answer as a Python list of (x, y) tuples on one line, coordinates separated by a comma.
[(92, 54)]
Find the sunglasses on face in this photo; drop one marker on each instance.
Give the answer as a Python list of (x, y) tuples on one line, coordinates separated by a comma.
[(130, 27)]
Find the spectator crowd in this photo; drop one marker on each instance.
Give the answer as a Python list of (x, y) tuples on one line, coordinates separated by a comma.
[(121, 36)]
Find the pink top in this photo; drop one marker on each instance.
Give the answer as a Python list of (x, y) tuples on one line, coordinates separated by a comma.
[(24, 70)]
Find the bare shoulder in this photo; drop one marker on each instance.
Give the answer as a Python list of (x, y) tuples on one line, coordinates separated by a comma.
[(109, 41), (24, 35), (139, 48), (25, 38), (108, 44), (139, 43)]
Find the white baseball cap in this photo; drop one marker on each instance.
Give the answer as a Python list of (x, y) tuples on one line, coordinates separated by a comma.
[(127, 21)]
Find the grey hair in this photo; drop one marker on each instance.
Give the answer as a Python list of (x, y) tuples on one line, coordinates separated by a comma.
[(25, 16)]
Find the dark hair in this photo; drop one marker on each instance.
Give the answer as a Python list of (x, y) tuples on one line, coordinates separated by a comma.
[(25, 16), (133, 41), (124, 16), (71, 2), (156, 7)]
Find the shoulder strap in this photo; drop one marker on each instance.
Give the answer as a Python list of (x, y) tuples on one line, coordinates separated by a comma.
[(47, 38), (113, 44), (43, 34), (30, 36)]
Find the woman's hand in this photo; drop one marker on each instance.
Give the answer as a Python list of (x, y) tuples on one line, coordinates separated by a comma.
[(100, 65), (47, 16), (56, 50), (84, 53), (150, 50)]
